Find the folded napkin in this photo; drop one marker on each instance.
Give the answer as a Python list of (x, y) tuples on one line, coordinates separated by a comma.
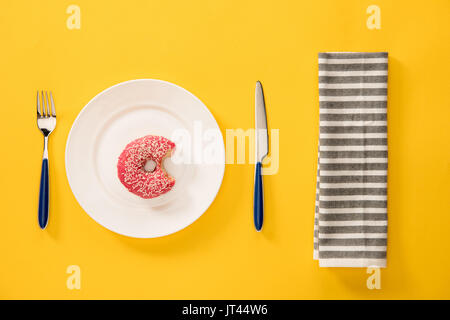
[(350, 226)]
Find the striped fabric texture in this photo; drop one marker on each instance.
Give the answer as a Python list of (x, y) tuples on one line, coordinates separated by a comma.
[(350, 225)]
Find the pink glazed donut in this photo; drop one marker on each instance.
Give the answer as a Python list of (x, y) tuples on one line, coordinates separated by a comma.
[(131, 164)]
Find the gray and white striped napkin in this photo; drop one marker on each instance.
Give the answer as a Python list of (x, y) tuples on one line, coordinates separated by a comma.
[(350, 226)]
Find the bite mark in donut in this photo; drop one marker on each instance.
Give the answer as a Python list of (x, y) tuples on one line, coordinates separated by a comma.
[(130, 167)]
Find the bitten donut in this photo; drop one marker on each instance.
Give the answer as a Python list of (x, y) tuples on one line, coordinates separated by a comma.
[(132, 160)]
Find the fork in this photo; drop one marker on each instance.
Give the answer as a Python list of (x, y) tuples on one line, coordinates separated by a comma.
[(46, 122)]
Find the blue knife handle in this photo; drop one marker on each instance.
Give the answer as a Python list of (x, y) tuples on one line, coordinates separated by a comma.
[(258, 200), (43, 196)]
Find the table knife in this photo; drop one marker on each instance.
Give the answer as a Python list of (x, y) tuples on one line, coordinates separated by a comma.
[(261, 150)]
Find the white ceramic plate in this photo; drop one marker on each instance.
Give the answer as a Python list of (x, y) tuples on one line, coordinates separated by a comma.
[(125, 112)]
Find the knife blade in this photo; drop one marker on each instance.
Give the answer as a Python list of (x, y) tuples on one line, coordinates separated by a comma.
[(261, 137), (261, 151)]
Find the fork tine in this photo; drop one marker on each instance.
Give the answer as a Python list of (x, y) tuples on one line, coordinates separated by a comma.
[(38, 104), (53, 105), (48, 104), (43, 103)]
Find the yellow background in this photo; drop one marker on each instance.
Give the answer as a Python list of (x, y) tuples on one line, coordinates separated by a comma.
[(217, 49)]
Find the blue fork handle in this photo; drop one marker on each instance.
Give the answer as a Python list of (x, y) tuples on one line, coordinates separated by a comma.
[(258, 200), (43, 196)]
